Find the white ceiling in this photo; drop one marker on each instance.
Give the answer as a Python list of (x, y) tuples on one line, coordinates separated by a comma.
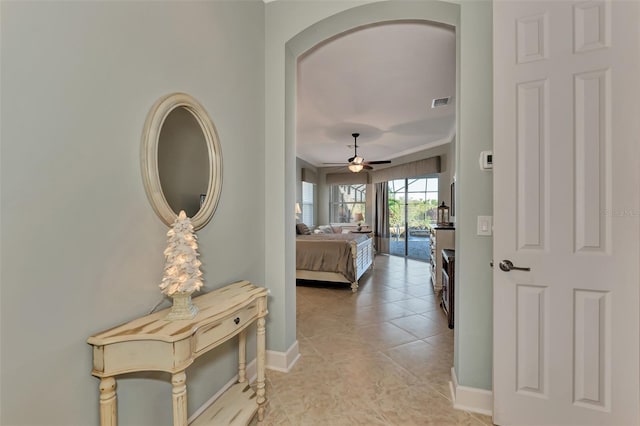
[(378, 81)]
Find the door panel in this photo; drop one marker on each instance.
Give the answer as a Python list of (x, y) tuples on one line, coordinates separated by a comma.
[(532, 123), (592, 362), (567, 205), (532, 335), (592, 159)]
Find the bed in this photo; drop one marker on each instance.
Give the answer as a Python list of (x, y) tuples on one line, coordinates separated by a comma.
[(341, 258)]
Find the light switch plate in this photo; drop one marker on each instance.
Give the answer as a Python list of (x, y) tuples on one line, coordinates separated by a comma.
[(485, 225), (486, 160)]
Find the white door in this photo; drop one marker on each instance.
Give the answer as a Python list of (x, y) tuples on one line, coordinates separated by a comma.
[(566, 191)]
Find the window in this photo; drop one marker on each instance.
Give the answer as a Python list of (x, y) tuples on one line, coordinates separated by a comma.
[(419, 195), (347, 203), (413, 204), (307, 203)]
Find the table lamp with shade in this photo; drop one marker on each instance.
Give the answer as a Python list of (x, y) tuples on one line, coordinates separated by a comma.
[(298, 211), (359, 217)]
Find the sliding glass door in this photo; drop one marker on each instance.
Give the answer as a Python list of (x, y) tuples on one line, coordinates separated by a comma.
[(413, 206)]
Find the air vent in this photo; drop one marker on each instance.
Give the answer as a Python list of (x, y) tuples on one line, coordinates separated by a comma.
[(440, 102)]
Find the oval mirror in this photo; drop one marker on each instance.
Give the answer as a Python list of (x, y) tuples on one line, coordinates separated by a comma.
[(181, 160)]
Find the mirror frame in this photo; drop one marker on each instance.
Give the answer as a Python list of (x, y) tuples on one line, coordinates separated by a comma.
[(149, 158)]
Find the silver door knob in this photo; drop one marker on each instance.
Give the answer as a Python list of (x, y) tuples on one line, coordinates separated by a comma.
[(507, 265)]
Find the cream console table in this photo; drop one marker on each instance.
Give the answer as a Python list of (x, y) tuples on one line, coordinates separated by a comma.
[(152, 343)]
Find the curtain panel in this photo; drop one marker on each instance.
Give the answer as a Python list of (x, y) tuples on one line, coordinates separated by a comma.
[(309, 175), (381, 217), (418, 168), (346, 178)]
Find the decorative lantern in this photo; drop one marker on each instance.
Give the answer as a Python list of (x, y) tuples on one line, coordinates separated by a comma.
[(443, 215)]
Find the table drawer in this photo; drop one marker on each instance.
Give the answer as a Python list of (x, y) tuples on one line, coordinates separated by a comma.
[(230, 325)]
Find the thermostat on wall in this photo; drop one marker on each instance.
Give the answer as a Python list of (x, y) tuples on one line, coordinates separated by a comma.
[(486, 160)]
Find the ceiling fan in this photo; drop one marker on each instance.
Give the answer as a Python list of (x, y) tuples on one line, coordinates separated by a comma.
[(357, 163)]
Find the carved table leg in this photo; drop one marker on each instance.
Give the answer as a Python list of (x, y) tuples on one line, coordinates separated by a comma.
[(108, 402), (242, 356), (179, 391), (260, 365)]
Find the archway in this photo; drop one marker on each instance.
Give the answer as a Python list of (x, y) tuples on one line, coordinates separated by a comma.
[(293, 27), (282, 53)]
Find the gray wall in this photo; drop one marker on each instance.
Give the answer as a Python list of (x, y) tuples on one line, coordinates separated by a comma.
[(474, 187), (81, 246)]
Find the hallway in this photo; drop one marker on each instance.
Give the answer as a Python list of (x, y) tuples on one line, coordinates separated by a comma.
[(381, 356)]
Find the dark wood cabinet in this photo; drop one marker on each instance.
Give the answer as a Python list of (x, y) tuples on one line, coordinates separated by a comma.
[(448, 283)]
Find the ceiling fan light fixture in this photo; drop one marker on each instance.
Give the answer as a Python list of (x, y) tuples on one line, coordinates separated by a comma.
[(357, 160), (355, 168)]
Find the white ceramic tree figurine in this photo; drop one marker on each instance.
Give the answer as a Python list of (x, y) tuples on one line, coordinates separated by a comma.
[(182, 275)]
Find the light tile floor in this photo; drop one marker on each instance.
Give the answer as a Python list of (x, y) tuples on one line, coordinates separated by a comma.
[(382, 356)]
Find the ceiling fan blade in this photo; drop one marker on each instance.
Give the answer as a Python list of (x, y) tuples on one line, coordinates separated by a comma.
[(367, 167), (349, 160), (378, 162)]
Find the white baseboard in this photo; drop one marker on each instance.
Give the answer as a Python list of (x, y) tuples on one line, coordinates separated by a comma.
[(278, 361), (470, 399), (283, 361)]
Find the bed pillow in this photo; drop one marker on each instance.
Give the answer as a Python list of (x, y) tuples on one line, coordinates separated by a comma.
[(302, 229), (324, 229), (336, 229)]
